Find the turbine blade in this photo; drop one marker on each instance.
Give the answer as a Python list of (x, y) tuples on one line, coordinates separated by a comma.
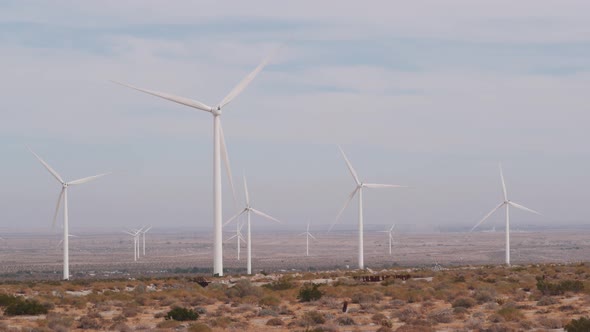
[(304, 233), (59, 199), (487, 216), (246, 81), (313, 237), (225, 157), (503, 184), (129, 233), (148, 229), (51, 170), (524, 208), (87, 179), (350, 197), (392, 227), (378, 185), (234, 217), (350, 168), (262, 214), (180, 100), (232, 237), (246, 191)]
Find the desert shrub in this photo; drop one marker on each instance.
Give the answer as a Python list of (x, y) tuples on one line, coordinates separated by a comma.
[(269, 301), (314, 317), (199, 327), (120, 327), (550, 323), (130, 311), (578, 325), (548, 288), (441, 316), (414, 328), (364, 297), (243, 288), (464, 302), (181, 314), (284, 310), (267, 312), (547, 300), (168, 324), (26, 307), (345, 320), (57, 321), (285, 282), (309, 292), (407, 314), (510, 313), (384, 329), (378, 317), (484, 295), (459, 278), (275, 322), (6, 300), (87, 322)]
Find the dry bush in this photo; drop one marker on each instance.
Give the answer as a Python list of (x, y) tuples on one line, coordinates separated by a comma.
[(378, 317), (275, 322), (345, 320), (464, 302), (199, 327), (120, 327), (384, 329), (269, 301), (242, 289), (547, 300), (549, 323), (87, 322), (131, 311), (510, 313), (474, 323), (407, 314), (168, 324), (57, 321), (267, 312), (484, 295), (314, 318), (441, 316), (419, 327)]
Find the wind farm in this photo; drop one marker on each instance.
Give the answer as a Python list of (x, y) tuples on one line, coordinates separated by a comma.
[(425, 100)]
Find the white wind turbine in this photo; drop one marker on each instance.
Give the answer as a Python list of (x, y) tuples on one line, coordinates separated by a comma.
[(143, 236), (506, 203), (135, 234), (238, 236), (390, 235), (307, 236), (219, 150), (247, 210), (64, 196), (62, 241), (359, 189)]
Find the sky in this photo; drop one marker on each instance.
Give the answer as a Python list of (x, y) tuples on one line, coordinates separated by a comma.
[(428, 94)]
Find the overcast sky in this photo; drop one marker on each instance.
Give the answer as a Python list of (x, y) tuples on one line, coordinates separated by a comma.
[(429, 94)]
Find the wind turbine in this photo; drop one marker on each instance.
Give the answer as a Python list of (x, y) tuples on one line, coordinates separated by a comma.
[(359, 189), (63, 195), (143, 235), (219, 150), (307, 236), (506, 203), (390, 235), (247, 210), (135, 234), (239, 236), (62, 241)]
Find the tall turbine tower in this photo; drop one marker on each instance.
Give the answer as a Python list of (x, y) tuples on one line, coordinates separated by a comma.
[(143, 236), (63, 196), (219, 150), (359, 189), (506, 203), (390, 235), (307, 236), (247, 210)]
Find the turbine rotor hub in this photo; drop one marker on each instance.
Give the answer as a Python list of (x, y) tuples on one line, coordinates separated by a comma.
[(216, 111)]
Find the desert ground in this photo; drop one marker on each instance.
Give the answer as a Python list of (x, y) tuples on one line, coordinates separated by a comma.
[(456, 283)]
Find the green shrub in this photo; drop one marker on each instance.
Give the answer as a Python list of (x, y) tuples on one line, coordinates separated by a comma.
[(510, 313), (283, 283), (578, 325), (26, 307), (181, 314), (6, 300), (548, 288), (314, 317), (309, 292), (243, 288)]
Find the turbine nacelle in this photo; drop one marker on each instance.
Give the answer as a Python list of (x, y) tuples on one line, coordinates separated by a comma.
[(216, 111)]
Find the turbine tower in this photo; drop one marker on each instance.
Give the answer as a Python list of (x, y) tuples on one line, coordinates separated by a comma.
[(219, 151), (135, 234), (359, 189), (307, 236), (143, 236), (63, 196), (390, 235), (506, 203), (239, 236), (247, 210)]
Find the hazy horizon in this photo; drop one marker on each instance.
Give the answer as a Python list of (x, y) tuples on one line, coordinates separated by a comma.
[(433, 96)]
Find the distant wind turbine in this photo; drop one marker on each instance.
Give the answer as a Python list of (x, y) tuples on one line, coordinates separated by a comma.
[(219, 151), (238, 236), (506, 203), (64, 196), (135, 234), (247, 211), (359, 189), (62, 241), (390, 235), (307, 236), (143, 236)]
